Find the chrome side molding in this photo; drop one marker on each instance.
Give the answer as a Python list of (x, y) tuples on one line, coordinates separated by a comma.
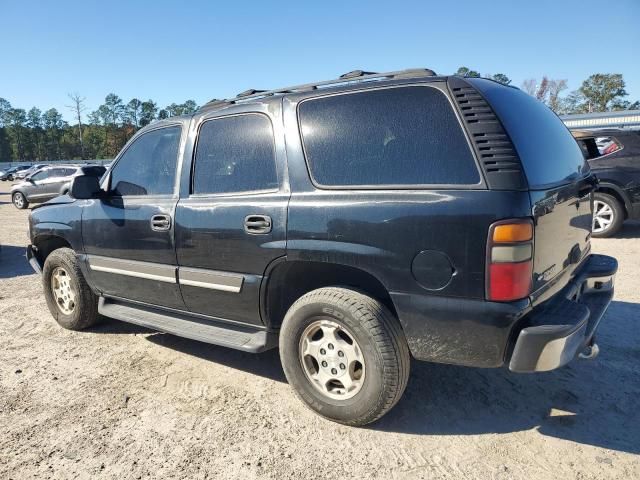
[(214, 280), (133, 268), (194, 277)]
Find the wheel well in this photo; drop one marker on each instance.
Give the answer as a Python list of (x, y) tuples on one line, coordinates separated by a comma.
[(615, 194), (47, 244), (290, 280)]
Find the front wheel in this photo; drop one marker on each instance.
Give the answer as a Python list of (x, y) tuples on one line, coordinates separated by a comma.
[(607, 215), (344, 354), (69, 298), (19, 201)]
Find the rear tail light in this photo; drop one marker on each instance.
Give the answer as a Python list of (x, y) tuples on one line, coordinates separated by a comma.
[(509, 260)]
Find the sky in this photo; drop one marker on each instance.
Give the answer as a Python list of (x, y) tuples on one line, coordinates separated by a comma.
[(171, 51)]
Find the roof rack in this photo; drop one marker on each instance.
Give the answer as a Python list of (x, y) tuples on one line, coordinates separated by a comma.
[(354, 75)]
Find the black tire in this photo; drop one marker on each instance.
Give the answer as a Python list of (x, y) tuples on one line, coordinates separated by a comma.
[(19, 200), (381, 341), (85, 311), (617, 211), (10, 178)]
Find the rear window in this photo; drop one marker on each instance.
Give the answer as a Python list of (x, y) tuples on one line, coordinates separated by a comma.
[(388, 137), (548, 151)]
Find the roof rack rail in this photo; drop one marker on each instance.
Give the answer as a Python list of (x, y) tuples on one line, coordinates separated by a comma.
[(356, 73), (349, 77), (249, 92)]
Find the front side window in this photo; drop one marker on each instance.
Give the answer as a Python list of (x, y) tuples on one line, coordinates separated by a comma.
[(393, 137), (235, 154), (41, 175), (148, 166)]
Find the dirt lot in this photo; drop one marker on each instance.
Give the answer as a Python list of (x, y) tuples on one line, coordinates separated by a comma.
[(124, 402)]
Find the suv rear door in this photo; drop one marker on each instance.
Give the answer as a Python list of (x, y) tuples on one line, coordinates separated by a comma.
[(128, 234), (231, 217), (560, 184)]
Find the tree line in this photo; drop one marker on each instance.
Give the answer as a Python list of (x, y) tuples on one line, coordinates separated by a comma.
[(601, 92), (34, 135)]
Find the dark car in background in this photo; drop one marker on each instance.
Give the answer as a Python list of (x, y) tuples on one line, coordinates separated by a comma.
[(614, 157), (49, 182), (10, 173)]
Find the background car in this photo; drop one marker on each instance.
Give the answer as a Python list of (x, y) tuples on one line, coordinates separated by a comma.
[(614, 156), (49, 183), (32, 169), (11, 172)]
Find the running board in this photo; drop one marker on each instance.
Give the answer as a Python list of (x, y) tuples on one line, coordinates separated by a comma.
[(203, 330)]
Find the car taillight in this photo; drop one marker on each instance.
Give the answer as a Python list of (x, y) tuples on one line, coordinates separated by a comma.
[(509, 260)]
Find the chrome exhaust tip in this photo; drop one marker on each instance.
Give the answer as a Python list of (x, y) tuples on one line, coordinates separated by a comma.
[(590, 352)]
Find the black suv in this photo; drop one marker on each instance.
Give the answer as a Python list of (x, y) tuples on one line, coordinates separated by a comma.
[(353, 223), (614, 157)]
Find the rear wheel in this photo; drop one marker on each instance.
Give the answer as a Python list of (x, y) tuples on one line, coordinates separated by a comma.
[(19, 200), (344, 354), (607, 215), (69, 298)]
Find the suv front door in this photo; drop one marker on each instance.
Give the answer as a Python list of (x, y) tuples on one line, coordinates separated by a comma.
[(128, 234), (232, 221)]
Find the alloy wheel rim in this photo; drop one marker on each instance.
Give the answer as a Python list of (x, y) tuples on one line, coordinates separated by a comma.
[(63, 291), (18, 200), (332, 360), (603, 216)]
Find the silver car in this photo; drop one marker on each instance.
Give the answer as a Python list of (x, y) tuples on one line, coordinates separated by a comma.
[(49, 182)]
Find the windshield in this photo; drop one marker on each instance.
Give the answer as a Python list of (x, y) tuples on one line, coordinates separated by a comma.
[(548, 151)]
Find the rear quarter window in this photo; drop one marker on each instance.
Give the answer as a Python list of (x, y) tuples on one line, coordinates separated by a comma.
[(402, 136), (549, 153)]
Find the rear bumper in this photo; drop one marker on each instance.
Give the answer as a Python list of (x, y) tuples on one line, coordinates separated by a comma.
[(556, 331), (526, 337)]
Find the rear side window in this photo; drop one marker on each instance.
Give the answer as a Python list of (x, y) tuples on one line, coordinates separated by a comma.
[(389, 137), (235, 154), (548, 151)]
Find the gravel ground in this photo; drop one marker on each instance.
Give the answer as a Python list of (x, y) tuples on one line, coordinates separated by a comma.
[(123, 402)]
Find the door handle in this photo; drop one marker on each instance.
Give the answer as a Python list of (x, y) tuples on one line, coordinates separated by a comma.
[(161, 223), (257, 224)]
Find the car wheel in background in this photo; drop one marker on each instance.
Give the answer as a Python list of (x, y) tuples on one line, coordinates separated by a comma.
[(344, 354), (608, 215), (19, 200), (70, 300)]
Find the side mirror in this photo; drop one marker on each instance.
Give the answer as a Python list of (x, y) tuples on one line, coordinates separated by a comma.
[(84, 187)]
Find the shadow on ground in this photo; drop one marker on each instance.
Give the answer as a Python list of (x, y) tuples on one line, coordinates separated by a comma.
[(13, 262), (266, 364), (588, 402), (629, 230)]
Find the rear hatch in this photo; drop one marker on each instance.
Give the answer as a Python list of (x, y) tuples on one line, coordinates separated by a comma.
[(560, 184)]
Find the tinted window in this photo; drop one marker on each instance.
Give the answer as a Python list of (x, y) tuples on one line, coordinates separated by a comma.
[(395, 136), (235, 154), (547, 150), (148, 167), (94, 171)]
